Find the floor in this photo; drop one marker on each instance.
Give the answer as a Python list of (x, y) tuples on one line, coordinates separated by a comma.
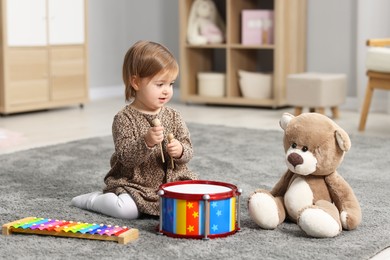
[(29, 130)]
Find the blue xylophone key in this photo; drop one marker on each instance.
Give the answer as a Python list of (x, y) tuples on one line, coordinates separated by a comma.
[(38, 226), (89, 229), (20, 224), (98, 229), (50, 225)]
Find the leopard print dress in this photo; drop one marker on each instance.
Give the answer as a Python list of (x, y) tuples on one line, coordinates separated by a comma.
[(138, 169)]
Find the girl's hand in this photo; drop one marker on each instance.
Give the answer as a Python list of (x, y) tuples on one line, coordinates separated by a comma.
[(175, 149), (154, 136)]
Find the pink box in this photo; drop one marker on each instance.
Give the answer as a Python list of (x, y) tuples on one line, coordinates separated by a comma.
[(257, 27)]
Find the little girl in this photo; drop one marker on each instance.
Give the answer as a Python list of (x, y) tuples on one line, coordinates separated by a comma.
[(138, 165)]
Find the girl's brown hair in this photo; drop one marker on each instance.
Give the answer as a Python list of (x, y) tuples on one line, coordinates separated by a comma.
[(145, 59)]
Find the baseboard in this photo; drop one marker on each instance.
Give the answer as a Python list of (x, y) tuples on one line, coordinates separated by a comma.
[(101, 92), (351, 103), (379, 104)]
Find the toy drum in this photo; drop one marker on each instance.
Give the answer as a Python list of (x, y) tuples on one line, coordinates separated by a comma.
[(199, 209)]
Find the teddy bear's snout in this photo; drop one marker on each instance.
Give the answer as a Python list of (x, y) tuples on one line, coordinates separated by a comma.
[(295, 159)]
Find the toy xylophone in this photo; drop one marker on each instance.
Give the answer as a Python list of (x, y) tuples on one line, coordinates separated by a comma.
[(63, 228)]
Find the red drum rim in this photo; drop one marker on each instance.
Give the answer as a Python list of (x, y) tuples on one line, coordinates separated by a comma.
[(169, 234), (213, 196)]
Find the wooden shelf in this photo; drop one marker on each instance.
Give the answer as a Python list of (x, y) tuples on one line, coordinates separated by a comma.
[(285, 56)]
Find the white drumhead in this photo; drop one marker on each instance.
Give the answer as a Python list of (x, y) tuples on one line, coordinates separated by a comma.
[(197, 188)]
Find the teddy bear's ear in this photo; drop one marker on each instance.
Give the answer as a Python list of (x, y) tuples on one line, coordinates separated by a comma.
[(343, 139), (285, 120)]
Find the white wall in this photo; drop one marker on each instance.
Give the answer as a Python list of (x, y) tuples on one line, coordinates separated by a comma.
[(105, 39), (113, 26), (336, 35), (337, 32), (331, 28)]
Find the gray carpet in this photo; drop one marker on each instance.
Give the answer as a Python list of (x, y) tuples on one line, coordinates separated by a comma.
[(41, 182)]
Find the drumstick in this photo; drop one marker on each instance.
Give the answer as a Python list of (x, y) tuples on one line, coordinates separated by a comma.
[(157, 122), (170, 138)]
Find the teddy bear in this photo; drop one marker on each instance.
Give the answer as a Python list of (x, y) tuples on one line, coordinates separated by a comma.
[(311, 193), (204, 23)]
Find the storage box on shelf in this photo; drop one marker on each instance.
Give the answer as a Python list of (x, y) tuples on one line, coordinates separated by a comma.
[(255, 85), (285, 54), (211, 84), (257, 27)]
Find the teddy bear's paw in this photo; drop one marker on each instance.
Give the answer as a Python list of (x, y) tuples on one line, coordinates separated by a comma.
[(263, 210), (316, 222)]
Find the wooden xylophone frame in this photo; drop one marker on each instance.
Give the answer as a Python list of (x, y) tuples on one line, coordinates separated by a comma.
[(123, 238)]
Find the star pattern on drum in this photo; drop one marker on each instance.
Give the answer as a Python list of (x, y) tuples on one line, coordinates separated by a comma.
[(215, 228), (218, 213), (190, 228), (222, 217), (193, 215)]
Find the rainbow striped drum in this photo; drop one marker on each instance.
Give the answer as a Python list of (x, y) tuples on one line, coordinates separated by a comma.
[(199, 209)]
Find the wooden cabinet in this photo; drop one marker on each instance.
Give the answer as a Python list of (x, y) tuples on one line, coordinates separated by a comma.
[(66, 22), (286, 55), (25, 21), (43, 54)]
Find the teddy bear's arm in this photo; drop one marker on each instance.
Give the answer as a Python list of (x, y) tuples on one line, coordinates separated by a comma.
[(281, 186), (345, 200)]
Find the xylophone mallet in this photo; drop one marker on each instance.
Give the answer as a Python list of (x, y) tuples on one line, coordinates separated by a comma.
[(156, 122), (170, 138)]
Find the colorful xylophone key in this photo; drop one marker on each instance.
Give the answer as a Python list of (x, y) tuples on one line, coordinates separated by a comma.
[(44, 226)]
